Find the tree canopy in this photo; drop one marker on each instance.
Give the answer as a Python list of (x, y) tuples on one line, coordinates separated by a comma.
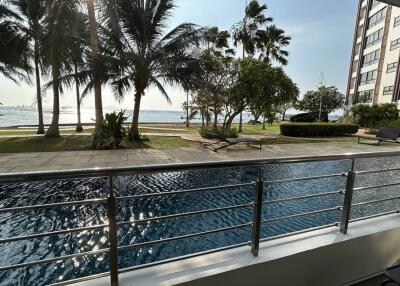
[(326, 99)]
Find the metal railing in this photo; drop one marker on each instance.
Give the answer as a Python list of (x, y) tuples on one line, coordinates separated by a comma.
[(258, 205)]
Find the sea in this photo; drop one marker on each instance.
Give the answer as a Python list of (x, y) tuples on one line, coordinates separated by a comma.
[(13, 116)]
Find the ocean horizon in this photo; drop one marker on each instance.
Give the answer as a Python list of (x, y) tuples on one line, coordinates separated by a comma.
[(27, 115)]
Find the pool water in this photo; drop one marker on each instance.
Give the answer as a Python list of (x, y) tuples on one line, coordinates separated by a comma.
[(38, 221)]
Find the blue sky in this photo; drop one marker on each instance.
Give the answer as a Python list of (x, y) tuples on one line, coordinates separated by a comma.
[(321, 31)]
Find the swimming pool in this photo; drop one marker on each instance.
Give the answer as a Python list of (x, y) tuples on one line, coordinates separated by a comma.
[(38, 221)]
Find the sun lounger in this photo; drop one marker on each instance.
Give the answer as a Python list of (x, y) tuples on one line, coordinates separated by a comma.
[(385, 134), (227, 142)]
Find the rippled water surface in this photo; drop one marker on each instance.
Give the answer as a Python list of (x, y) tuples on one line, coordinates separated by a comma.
[(38, 221)]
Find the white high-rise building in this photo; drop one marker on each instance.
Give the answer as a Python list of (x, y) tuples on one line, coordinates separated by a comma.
[(374, 75)]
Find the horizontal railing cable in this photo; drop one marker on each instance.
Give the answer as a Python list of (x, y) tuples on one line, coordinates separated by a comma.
[(174, 216), (299, 215), (158, 194), (50, 233), (51, 260), (303, 197), (375, 216), (377, 171), (166, 240), (305, 178), (54, 205), (376, 187), (376, 201)]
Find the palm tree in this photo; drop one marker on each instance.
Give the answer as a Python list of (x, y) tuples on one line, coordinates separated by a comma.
[(94, 43), (78, 61), (32, 13), (13, 46), (245, 32), (270, 42), (57, 41), (149, 55)]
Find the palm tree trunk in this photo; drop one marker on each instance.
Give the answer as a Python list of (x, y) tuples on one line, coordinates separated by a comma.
[(264, 122), (79, 127), (54, 130), (38, 92), (134, 134), (187, 109), (94, 43)]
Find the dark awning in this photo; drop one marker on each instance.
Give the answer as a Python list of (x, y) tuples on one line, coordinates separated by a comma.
[(391, 2)]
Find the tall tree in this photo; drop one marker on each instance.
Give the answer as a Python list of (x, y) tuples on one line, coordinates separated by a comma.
[(325, 100), (245, 32), (94, 43), (78, 60), (57, 40), (14, 50), (270, 42), (149, 55), (32, 13)]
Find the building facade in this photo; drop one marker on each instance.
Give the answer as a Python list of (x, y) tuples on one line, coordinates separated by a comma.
[(374, 75)]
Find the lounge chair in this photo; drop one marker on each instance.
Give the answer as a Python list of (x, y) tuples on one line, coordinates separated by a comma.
[(251, 142), (385, 134)]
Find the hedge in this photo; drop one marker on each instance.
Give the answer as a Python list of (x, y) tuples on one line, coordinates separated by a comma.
[(318, 129)]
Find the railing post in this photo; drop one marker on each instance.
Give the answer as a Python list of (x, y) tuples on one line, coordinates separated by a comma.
[(113, 233), (348, 197), (255, 239)]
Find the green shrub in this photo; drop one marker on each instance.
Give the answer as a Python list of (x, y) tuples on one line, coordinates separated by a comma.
[(112, 133), (318, 129), (218, 133), (375, 116), (346, 120)]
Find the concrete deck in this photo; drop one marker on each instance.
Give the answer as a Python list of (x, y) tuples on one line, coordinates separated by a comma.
[(24, 162)]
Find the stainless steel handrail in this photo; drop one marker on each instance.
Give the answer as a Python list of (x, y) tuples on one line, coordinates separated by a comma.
[(167, 168), (111, 202)]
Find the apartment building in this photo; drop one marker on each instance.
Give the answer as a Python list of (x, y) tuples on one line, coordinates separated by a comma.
[(374, 75)]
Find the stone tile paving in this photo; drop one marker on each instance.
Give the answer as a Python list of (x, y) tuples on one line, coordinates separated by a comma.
[(24, 162)]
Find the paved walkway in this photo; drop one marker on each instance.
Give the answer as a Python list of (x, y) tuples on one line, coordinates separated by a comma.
[(89, 159)]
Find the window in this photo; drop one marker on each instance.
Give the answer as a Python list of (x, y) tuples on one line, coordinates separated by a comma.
[(357, 50), (368, 77), (371, 58), (374, 4), (365, 96), (388, 90), (352, 82), (374, 38), (397, 21), (395, 44), (377, 18), (391, 68)]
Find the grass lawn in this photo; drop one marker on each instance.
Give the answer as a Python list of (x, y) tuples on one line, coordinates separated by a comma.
[(79, 143), (257, 129)]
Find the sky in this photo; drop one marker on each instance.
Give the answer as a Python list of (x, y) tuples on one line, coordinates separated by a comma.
[(322, 37)]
